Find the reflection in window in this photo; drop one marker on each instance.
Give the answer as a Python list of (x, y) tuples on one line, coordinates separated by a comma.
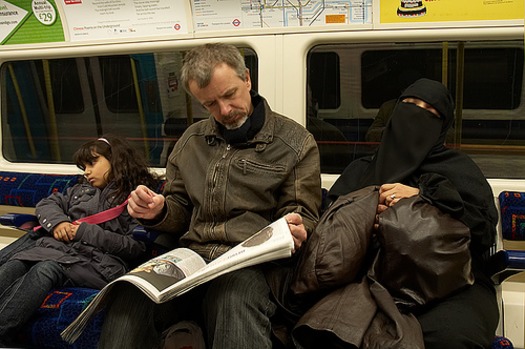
[(385, 73), (65, 86), (118, 83), (493, 78), (492, 117), (51, 107), (323, 79)]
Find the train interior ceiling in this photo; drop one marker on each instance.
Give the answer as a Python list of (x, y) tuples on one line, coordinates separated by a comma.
[(54, 97)]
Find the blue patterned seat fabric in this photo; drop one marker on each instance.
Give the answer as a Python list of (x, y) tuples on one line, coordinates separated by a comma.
[(27, 189), (58, 310), (512, 208)]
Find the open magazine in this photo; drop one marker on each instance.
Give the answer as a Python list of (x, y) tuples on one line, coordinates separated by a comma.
[(176, 272)]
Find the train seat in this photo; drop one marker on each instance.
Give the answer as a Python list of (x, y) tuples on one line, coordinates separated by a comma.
[(63, 305), (27, 189), (507, 262)]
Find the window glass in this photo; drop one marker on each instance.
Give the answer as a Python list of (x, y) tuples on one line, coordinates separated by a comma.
[(65, 86), (51, 107), (493, 78), (324, 80), (385, 73), (490, 117), (118, 82)]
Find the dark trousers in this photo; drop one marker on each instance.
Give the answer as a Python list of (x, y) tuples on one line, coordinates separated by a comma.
[(22, 243), (466, 320), (23, 288)]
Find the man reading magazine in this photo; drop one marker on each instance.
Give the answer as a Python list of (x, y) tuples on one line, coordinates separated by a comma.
[(227, 177)]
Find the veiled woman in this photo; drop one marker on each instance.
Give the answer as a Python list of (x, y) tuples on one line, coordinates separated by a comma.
[(413, 159)]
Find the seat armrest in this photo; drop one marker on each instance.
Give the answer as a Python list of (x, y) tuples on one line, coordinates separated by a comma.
[(158, 241), (19, 220), (506, 263)]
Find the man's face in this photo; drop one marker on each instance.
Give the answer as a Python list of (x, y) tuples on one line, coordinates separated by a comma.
[(227, 97)]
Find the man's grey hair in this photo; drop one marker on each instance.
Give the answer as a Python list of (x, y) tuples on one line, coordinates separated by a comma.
[(199, 63)]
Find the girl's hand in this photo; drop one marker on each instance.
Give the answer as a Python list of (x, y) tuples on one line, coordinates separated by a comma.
[(65, 232)]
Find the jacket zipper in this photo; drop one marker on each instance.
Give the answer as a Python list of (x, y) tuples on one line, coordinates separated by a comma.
[(214, 182)]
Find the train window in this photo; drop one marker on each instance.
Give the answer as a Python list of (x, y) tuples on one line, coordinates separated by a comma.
[(390, 71), (385, 73), (490, 125), (324, 80), (50, 107), (65, 86), (493, 78), (119, 87)]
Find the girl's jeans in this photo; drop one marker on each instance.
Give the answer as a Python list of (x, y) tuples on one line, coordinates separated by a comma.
[(23, 288)]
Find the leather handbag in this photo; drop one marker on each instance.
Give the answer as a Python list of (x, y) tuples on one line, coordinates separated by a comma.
[(424, 253)]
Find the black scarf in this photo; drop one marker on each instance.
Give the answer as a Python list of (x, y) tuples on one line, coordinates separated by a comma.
[(241, 136)]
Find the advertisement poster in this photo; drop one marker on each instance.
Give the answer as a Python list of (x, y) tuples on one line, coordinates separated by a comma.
[(29, 21), (245, 14), (413, 11), (115, 19)]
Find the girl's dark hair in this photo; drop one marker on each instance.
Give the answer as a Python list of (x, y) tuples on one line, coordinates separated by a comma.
[(129, 168)]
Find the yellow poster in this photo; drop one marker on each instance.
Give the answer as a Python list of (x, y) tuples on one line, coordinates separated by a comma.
[(406, 11)]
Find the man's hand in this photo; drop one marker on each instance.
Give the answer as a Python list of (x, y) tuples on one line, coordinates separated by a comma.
[(65, 231), (299, 235), (145, 203)]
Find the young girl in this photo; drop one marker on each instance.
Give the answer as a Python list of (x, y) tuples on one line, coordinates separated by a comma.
[(73, 254)]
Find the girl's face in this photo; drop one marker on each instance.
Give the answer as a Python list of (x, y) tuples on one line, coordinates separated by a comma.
[(97, 173)]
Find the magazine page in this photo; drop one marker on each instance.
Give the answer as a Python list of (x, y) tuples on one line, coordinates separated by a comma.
[(151, 278), (270, 243), (161, 272), (175, 272)]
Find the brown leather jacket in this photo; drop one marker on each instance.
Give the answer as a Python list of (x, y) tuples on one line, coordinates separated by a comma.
[(218, 195)]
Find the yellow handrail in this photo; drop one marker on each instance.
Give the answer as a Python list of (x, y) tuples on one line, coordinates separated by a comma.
[(444, 64), (22, 111), (53, 131), (140, 107), (460, 69), (188, 100)]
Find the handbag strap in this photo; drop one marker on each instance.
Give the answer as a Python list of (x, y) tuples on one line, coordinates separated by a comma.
[(99, 217), (103, 216)]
